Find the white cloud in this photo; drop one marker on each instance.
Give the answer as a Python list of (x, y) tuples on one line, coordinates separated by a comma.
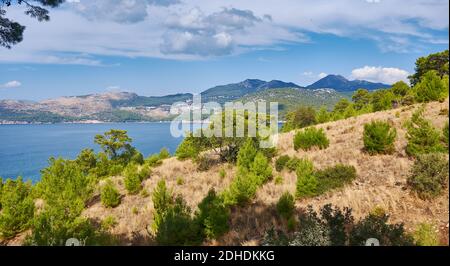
[(388, 75), (322, 75), (11, 84), (197, 29)]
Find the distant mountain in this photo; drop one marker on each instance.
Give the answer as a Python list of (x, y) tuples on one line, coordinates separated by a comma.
[(341, 84), (290, 98), (231, 92), (128, 107)]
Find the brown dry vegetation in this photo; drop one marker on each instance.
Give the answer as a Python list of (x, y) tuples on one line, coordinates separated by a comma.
[(381, 183)]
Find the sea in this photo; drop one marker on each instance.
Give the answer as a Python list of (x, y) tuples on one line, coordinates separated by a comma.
[(25, 149)]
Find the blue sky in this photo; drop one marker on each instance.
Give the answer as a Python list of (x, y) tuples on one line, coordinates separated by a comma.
[(158, 47)]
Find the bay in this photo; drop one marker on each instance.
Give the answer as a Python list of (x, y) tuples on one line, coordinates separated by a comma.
[(25, 149)]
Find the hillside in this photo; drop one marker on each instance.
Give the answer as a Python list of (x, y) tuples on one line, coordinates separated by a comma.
[(380, 183), (231, 92), (290, 98), (341, 84)]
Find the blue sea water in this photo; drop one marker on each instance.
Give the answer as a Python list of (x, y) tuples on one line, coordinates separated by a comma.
[(25, 149)]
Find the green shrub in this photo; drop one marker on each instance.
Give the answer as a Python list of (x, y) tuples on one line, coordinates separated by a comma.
[(133, 182), (108, 223), (300, 118), (429, 175), (323, 115), (246, 154), (379, 138), (177, 227), (334, 177), (279, 180), (306, 181), (17, 207), (311, 137), (261, 168), (86, 160), (188, 149), (431, 87), (425, 235), (153, 160), (382, 100), (281, 162), (311, 232), (376, 226), (242, 189), (172, 221), (292, 164), (286, 205), (422, 136), (400, 88), (164, 154), (110, 197), (162, 199), (445, 135), (213, 216)]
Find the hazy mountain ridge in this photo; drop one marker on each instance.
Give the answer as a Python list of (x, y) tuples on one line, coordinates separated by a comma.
[(290, 98), (131, 107), (341, 84)]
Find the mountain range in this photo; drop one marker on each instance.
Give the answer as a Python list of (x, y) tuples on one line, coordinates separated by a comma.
[(126, 106), (341, 84)]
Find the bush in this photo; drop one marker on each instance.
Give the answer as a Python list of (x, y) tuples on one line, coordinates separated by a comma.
[(286, 205), (153, 160), (188, 148), (164, 154), (261, 168), (300, 118), (334, 177), (242, 189), (445, 135), (336, 227), (376, 226), (425, 235), (108, 223), (311, 232), (311, 137), (431, 87), (323, 115), (213, 216), (281, 162), (429, 175), (110, 197), (246, 154), (162, 199), (177, 227), (400, 88), (382, 100), (133, 181), (17, 207), (379, 138), (306, 181), (292, 164), (422, 136)]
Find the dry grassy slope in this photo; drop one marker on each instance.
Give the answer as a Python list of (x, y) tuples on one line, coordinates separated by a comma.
[(380, 183)]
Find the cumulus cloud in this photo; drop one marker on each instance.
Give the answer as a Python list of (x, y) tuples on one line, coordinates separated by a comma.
[(128, 11), (11, 84), (198, 29), (388, 75), (322, 75)]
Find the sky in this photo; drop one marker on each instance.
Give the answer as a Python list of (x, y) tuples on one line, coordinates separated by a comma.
[(160, 47)]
